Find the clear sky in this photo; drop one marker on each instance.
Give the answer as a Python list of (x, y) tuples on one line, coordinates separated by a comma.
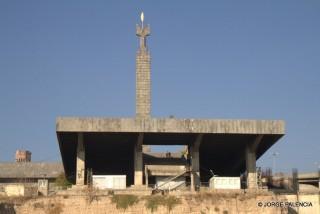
[(210, 59)]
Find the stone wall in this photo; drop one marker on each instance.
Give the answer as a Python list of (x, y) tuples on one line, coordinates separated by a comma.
[(198, 203)]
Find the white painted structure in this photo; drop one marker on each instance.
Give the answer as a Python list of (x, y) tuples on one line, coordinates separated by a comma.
[(225, 183), (18, 190), (14, 190), (109, 181)]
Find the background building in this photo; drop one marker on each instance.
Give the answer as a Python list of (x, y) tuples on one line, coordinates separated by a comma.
[(23, 156)]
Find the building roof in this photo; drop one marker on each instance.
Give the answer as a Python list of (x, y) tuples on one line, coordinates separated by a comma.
[(169, 125), (309, 175), (30, 170)]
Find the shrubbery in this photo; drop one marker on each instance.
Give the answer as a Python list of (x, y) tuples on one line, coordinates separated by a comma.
[(62, 181), (153, 202), (124, 201)]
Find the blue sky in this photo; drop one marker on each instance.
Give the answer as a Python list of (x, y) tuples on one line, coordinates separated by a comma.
[(210, 59)]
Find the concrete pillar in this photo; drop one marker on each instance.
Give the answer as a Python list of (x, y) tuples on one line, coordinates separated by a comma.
[(43, 187), (80, 176), (251, 169), (146, 176), (250, 155), (138, 165), (195, 169), (195, 164)]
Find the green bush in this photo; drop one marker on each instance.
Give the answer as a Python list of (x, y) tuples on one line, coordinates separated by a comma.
[(62, 181), (152, 202), (171, 202), (124, 201)]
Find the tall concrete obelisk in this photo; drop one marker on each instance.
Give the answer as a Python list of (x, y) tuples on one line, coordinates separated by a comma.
[(143, 70)]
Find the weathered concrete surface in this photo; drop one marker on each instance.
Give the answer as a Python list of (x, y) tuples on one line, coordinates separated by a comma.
[(314, 198), (165, 170), (310, 178), (197, 203), (309, 175), (111, 141), (80, 160), (251, 169), (138, 161), (195, 163), (170, 125), (143, 74), (17, 190), (43, 187), (195, 170), (14, 190)]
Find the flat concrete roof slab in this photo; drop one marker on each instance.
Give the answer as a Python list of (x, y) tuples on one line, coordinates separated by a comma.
[(170, 125)]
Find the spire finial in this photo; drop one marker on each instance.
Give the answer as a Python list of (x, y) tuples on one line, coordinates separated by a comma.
[(142, 32), (142, 18)]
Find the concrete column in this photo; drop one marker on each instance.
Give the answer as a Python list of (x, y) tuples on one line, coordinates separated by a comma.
[(138, 165), (195, 163), (195, 169), (80, 161), (43, 187), (251, 169), (250, 155), (146, 176)]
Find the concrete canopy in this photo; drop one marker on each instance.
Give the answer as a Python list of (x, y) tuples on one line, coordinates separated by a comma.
[(109, 142)]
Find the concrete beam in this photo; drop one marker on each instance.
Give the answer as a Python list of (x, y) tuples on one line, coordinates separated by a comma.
[(138, 164), (170, 125), (80, 178)]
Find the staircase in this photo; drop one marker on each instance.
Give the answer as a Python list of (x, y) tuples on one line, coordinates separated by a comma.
[(158, 188)]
